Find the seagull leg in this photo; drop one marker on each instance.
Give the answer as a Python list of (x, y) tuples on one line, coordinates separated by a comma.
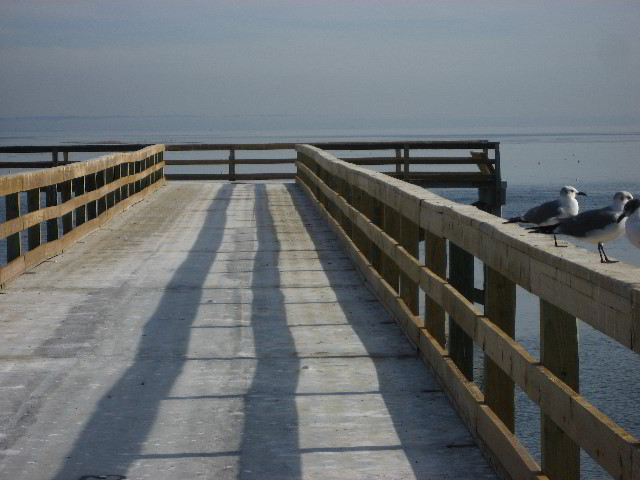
[(556, 241), (601, 252)]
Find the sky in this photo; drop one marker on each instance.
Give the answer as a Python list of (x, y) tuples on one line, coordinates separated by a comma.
[(493, 63)]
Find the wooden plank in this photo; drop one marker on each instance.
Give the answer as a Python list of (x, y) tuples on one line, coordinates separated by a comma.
[(416, 160), (503, 445), (225, 176), (500, 308), (559, 354)]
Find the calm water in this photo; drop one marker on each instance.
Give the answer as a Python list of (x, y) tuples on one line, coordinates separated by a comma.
[(536, 166)]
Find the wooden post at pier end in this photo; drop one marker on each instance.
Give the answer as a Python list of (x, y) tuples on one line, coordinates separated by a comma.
[(232, 165), (559, 354)]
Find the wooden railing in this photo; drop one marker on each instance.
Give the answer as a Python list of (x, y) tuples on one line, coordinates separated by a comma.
[(402, 158), (381, 221), (78, 199)]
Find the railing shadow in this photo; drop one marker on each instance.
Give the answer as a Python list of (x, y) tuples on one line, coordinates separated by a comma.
[(430, 434), (114, 436), (269, 447)]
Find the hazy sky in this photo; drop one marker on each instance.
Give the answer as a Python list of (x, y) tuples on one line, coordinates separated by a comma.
[(493, 62)]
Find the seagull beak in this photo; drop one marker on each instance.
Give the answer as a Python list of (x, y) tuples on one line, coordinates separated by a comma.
[(581, 193), (621, 216)]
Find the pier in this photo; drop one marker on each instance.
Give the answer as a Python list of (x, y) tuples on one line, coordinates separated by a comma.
[(318, 323)]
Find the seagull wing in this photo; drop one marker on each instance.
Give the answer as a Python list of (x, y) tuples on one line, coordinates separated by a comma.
[(592, 220), (547, 212)]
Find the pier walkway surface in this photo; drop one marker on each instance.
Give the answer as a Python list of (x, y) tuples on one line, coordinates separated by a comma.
[(216, 330)]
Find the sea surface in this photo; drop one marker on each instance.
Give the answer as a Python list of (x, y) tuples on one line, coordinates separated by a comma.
[(535, 164)]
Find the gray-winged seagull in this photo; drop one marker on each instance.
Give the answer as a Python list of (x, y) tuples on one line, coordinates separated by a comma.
[(594, 226), (551, 213)]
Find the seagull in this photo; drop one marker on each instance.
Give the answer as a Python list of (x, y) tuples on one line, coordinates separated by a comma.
[(594, 226), (631, 217), (551, 213)]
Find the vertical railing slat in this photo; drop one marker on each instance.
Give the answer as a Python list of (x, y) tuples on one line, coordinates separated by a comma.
[(12, 206), (435, 252), (559, 354), (500, 308), (461, 278), (34, 234), (67, 218)]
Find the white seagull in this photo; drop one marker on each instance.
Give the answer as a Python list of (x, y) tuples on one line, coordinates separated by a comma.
[(631, 217), (550, 213), (594, 226), (553, 212)]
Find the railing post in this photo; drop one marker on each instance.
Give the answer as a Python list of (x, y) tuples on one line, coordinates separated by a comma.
[(100, 182), (109, 197), (500, 308), (138, 169), (34, 237), (398, 164), (90, 186), (54, 157), (81, 211), (232, 165), (461, 278), (410, 241), (406, 164), (390, 271), (115, 177), (377, 218), (559, 354), (435, 253), (52, 201), (14, 249), (65, 196)]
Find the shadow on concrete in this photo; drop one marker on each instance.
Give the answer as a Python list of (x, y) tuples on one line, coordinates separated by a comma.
[(270, 447), (115, 434), (430, 434)]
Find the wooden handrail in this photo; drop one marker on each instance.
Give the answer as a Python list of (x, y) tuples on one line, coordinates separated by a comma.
[(92, 193), (349, 196)]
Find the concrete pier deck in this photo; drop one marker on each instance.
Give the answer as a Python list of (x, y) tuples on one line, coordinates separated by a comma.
[(216, 330)]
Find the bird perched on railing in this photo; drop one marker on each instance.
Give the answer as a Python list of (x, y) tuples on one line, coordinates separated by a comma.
[(594, 226), (631, 216), (551, 213)]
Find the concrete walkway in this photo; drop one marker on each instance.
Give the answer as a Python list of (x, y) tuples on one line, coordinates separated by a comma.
[(215, 331)]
